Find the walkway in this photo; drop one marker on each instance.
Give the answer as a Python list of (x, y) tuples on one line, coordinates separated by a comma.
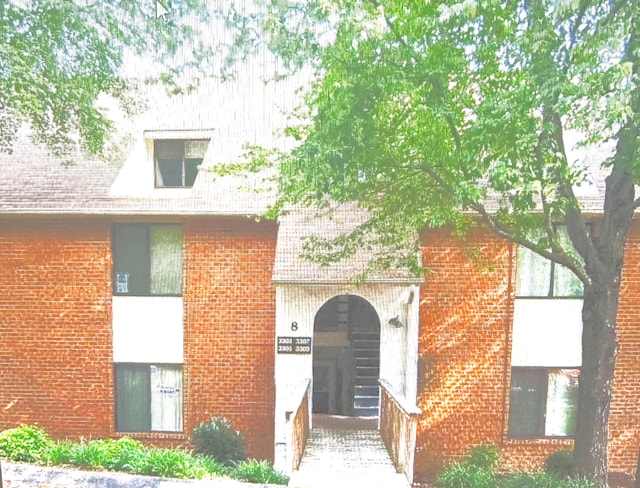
[(346, 452)]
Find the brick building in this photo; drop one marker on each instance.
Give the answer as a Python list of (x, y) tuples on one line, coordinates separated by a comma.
[(142, 298)]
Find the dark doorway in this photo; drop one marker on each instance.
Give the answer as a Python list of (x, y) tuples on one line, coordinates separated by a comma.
[(346, 358)]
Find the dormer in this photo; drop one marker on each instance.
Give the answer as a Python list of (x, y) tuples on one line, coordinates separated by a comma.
[(163, 163)]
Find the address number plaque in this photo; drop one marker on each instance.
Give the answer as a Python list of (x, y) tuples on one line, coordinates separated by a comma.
[(294, 345)]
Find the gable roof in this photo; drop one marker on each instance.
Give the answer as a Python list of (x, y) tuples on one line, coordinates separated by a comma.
[(32, 181), (299, 224)]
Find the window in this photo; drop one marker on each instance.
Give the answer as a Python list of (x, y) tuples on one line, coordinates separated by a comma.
[(540, 277), (543, 402), (177, 161), (147, 259), (148, 398)]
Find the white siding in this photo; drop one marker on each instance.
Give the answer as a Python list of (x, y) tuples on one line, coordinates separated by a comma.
[(147, 329), (547, 332)]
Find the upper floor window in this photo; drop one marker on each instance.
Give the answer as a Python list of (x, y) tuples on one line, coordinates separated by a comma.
[(537, 276), (177, 161), (147, 259)]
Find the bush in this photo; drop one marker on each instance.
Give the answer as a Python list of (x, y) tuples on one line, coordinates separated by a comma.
[(485, 457), (28, 443), (543, 480), (122, 454), (460, 475), (218, 440), (255, 471), (560, 463), (60, 452), (475, 470)]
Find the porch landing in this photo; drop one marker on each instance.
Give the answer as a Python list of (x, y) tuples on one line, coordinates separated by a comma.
[(346, 452)]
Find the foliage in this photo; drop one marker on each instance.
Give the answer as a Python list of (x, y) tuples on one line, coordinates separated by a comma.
[(60, 452), (476, 469), (484, 456), (454, 112), (59, 56), (28, 443), (122, 454), (560, 463), (459, 475), (255, 471), (543, 480), (218, 440)]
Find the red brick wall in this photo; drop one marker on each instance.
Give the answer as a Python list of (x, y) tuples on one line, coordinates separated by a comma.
[(230, 327), (624, 420), (55, 325), (464, 350), (463, 347)]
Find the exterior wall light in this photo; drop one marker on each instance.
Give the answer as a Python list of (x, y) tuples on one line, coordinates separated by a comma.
[(395, 322)]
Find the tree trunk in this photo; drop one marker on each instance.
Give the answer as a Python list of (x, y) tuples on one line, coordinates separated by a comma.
[(637, 485), (599, 350)]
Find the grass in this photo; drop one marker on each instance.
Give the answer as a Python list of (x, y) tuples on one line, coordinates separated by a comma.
[(29, 443)]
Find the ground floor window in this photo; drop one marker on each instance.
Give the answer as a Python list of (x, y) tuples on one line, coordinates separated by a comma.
[(543, 402), (148, 397)]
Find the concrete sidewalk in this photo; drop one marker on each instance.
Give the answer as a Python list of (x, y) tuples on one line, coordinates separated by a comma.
[(21, 475)]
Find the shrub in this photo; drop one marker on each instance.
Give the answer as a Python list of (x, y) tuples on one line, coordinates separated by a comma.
[(217, 439), (122, 454), (60, 452), (484, 456), (460, 475), (255, 471), (475, 470), (28, 443), (560, 463), (544, 480)]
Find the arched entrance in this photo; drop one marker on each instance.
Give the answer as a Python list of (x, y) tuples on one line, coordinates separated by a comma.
[(346, 358)]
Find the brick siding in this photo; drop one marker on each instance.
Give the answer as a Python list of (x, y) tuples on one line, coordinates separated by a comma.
[(55, 325), (624, 420), (230, 327), (463, 346), (464, 357), (56, 360)]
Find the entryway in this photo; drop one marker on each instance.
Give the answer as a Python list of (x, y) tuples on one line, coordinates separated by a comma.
[(346, 358), (346, 451)]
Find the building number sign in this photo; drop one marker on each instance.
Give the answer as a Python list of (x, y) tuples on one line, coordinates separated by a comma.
[(294, 345)]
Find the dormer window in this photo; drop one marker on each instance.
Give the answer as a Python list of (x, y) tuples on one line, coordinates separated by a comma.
[(177, 161)]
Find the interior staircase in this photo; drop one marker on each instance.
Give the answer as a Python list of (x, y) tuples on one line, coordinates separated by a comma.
[(366, 353)]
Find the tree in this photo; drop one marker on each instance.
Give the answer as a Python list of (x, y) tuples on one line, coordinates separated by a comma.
[(440, 110), (58, 56)]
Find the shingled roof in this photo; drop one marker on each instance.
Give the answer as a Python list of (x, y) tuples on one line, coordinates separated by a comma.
[(32, 181)]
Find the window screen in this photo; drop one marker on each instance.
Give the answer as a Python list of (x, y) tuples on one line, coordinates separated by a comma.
[(543, 402), (133, 396), (147, 259), (177, 162), (148, 398)]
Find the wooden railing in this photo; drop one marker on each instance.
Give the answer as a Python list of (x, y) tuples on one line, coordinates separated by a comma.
[(398, 425), (297, 419)]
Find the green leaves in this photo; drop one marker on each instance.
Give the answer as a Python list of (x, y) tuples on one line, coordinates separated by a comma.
[(428, 110), (57, 57)]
